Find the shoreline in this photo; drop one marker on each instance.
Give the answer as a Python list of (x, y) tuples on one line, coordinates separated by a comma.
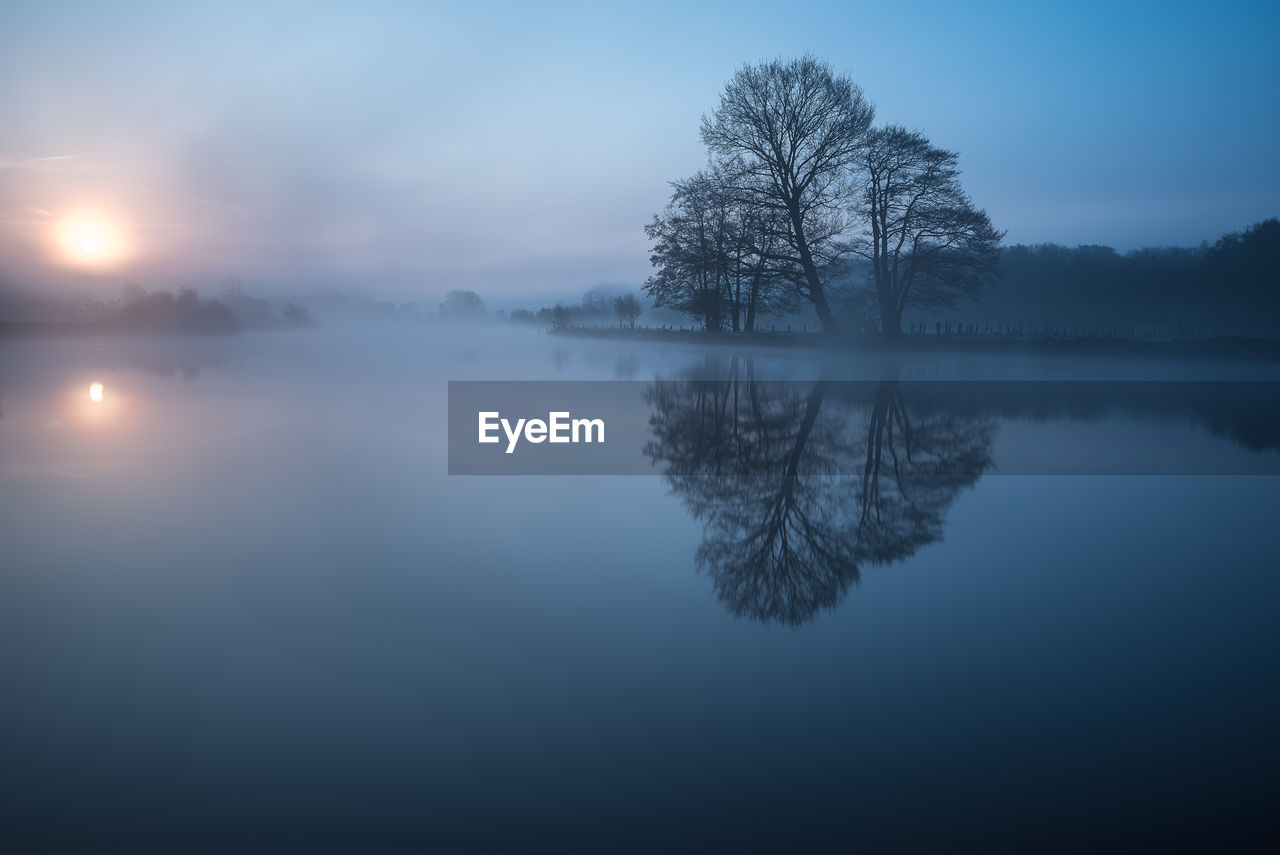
[(1225, 348), (1222, 347)]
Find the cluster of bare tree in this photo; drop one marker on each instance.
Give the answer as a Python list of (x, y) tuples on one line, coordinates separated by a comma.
[(628, 309), (805, 200), (715, 256)]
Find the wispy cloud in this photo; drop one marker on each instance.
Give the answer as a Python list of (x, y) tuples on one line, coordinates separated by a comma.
[(51, 163), (31, 216)]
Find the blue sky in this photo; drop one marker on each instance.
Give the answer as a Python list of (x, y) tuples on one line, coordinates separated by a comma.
[(408, 148)]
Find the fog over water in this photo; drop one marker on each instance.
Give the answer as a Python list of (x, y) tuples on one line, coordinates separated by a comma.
[(242, 586)]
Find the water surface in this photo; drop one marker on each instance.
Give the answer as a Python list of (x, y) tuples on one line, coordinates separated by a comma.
[(241, 601)]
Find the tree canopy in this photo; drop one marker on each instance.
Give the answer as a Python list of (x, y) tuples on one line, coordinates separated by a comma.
[(799, 184)]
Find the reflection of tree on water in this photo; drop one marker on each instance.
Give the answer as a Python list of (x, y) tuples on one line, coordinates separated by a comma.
[(914, 467), (626, 366), (766, 468)]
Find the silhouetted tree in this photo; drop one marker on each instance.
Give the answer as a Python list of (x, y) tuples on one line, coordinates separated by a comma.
[(761, 284), (627, 308), (926, 242), (691, 240), (791, 133), (714, 254)]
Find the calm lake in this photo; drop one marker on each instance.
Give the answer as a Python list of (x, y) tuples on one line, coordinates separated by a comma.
[(242, 604)]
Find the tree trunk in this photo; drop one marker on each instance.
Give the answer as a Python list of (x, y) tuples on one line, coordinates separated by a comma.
[(737, 295), (890, 314), (820, 305), (817, 295)]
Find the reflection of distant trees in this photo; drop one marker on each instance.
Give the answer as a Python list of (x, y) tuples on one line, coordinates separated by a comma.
[(627, 366), (1246, 412), (766, 466)]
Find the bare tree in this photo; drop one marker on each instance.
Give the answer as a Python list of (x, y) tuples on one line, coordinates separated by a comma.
[(690, 245), (627, 308), (714, 254), (925, 240), (761, 285), (792, 132), (598, 300)]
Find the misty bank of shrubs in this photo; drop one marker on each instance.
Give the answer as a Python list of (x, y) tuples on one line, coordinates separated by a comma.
[(139, 310)]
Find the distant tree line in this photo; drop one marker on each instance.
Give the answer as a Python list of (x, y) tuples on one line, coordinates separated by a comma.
[(805, 201), (1232, 285), (600, 304), (462, 306), (140, 310)]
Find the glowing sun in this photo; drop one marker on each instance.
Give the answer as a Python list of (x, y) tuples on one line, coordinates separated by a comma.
[(92, 239), (95, 392)]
